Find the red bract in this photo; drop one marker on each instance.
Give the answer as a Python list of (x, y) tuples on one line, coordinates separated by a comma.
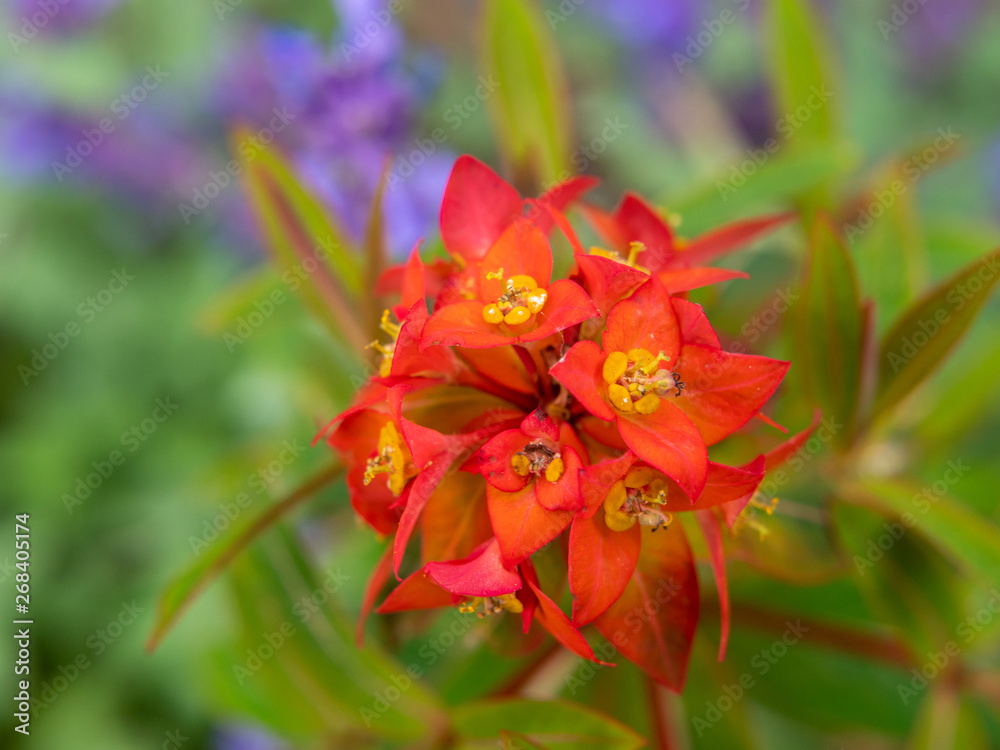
[(515, 415)]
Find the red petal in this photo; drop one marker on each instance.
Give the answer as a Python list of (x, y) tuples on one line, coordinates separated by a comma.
[(713, 539), (580, 371), (686, 279), (407, 359), (544, 215), (414, 284), (608, 281), (462, 324), (607, 226), (711, 245), (639, 222), (732, 508), (724, 484), (653, 622), (481, 574), (521, 524), (564, 494), (695, 328), (417, 591), (476, 208), (668, 441), (567, 305), (495, 461), (561, 196), (557, 623), (377, 580), (601, 562), (538, 424), (777, 456), (723, 391), (522, 250), (646, 320)]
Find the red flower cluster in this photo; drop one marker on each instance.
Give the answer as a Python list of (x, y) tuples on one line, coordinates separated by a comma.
[(517, 410)]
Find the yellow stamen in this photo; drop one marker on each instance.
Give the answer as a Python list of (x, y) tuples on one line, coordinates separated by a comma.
[(492, 314), (517, 316), (521, 464), (648, 404), (614, 367), (521, 299), (491, 605), (555, 470), (620, 398), (392, 458)]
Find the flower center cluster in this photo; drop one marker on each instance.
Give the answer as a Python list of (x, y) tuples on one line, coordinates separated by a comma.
[(640, 496), (633, 253), (521, 299), (636, 382), (387, 349), (491, 605), (538, 460), (392, 458)]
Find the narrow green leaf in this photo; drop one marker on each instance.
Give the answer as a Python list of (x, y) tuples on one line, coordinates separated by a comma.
[(800, 70), (529, 108), (179, 595), (926, 332), (831, 327), (238, 299), (967, 539), (550, 724), (308, 248), (375, 254)]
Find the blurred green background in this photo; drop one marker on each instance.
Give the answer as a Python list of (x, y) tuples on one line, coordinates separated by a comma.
[(133, 361)]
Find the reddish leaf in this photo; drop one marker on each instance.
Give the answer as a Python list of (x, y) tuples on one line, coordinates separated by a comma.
[(455, 520), (713, 539), (416, 591), (607, 281), (376, 582), (601, 562), (711, 245), (652, 624)]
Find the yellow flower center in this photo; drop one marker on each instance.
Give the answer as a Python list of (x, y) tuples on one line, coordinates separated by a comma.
[(387, 349), (633, 253), (491, 605), (521, 299), (538, 460), (392, 458), (636, 382), (638, 497)]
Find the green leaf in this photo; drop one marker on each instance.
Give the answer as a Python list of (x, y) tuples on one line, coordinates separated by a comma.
[(238, 299), (831, 327), (799, 68), (529, 108), (549, 724), (966, 538), (308, 247), (926, 332), (179, 595)]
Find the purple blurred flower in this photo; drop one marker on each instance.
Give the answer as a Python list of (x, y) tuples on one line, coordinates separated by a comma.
[(935, 30), (352, 105), (651, 27), (29, 18), (241, 737)]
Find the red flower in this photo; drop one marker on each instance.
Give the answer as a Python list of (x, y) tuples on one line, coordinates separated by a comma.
[(498, 386)]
